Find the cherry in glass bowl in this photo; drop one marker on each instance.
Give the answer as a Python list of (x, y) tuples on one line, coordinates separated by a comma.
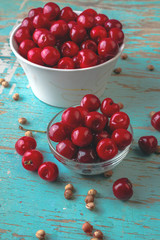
[(86, 168)]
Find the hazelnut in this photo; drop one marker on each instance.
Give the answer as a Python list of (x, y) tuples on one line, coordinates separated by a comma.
[(90, 205), (68, 194), (40, 234), (108, 173), (94, 238), (98, 234), (5, 83), (87, 228), (1, 80), (15, 96), (92, 192), (89, 198), (152, 113), (121, 106), (124, 56), (150, 67), (157, 150), (69, 186), (22, 120), (28, 134), (117, 70)]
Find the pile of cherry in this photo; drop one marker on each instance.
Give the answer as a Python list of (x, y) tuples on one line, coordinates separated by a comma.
[(88, 136), (62, 39)]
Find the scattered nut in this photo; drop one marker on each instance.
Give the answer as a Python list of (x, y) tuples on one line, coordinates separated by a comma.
[(157, 150), (5, 83), (68, 194), (15, 96), (28, 134), (87, 228), (94, 238), (152, 113), (22, 120), (90, 205), (92, 192), (69, 186), (89, 198), (40, 234), (117, 70), (98, 234), (121, 106), (124, 56), (150, 67), (1, 80), (108, 173)]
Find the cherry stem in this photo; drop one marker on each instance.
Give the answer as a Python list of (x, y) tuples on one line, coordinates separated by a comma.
[(24, 129)]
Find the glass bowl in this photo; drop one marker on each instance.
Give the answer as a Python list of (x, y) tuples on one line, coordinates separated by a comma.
[(85, 168)]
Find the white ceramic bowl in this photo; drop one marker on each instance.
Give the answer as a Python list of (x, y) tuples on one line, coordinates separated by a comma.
[(63, 87)]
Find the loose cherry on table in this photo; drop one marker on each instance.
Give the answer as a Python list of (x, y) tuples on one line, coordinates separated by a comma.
[(86, 155), (59, 29), (51, 10), (122, 189), (69, 49), (98, 33), (48, 171), (122, 138), (148, 144), (155, 121), (50, 55), (85, 20), (117, 35), (72, 117), (57, 132), (22, 34), (67, 149), (87, 58), (89, 44), (46, 39), (119, 120), (108, 107), (78, 33), (32, 159), (82, 136), (100, 19), (112, 23), (24, 144), (66, 63), (34, 55), (106, 149), (107, 47), (25, 46), (90, 102), (95, 121)]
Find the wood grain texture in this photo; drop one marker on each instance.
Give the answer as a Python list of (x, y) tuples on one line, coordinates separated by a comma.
[(27, 203)]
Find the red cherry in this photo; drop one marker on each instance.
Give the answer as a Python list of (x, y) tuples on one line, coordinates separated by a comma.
[(97, 33), (90, 11), (78, 33), (71, 24), (66, 63), (117, 35), (86, 155), (106, 149), (155, 121), (35, 11), (119, 120), (24, 144), (68, 130), (46, 39), (99, 136), (122, 189), (25, 46), (22, 34), (48, 171), (122, 138), (95, 121), (148, 144), (51, 10), (76, 61), (72, 117), (108, 107), (112, 23), (107, 47), (67, 14), (40, 21), (32, 159), (37, 34), (59, 29), (83, 112), (85, 20), (89, 44), (67, 149), (101, 59), (34, 55), (100, 19), (57, 132), (50, 55), (27, 22), (87, 58), (90, 102), (82, 136), (69, 49)]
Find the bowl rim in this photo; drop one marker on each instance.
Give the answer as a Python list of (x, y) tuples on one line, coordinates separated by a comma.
[(99, 164), (121, 48)]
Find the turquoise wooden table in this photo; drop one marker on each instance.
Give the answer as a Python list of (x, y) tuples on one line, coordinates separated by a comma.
[(27, 203)]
